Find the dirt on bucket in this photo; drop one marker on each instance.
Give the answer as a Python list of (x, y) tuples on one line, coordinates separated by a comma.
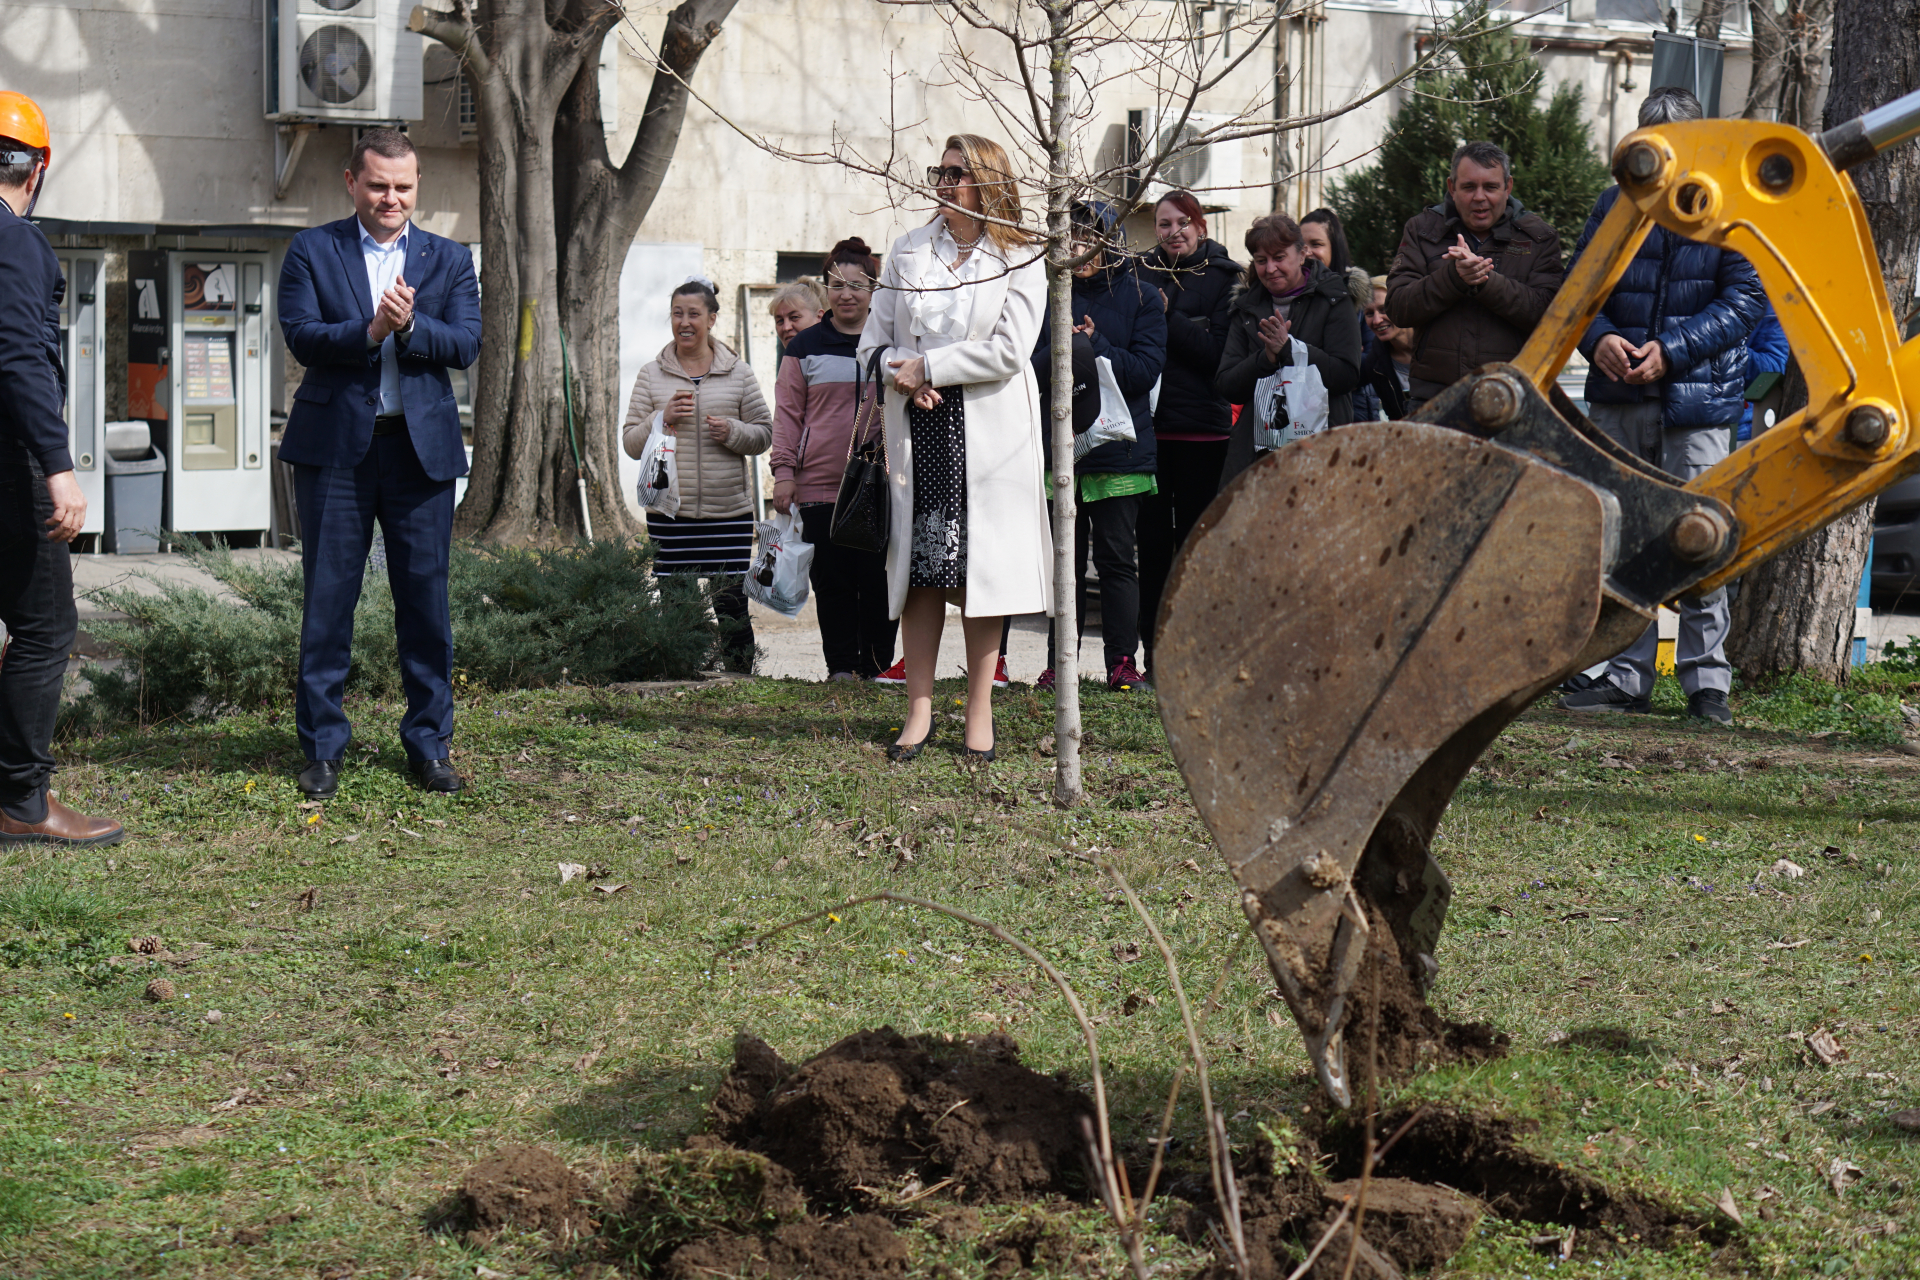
[(878, 1108), (525, 1187)]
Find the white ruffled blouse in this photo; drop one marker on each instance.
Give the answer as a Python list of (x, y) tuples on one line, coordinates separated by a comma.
[(942, 314)]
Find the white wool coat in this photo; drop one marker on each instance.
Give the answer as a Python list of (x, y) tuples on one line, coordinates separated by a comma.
[(1009, 543)]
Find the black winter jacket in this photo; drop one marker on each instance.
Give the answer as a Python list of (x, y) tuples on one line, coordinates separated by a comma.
[(1199, 288), (1323, 318), (32, 375), (1701, 303), (1130, 329)]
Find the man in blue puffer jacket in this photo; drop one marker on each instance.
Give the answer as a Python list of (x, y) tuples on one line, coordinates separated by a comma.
[(1669, 353)]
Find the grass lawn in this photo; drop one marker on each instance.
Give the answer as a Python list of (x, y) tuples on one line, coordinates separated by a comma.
[(371, 997)]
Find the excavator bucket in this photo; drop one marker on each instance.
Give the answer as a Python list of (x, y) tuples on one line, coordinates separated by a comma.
[(1361, 612)]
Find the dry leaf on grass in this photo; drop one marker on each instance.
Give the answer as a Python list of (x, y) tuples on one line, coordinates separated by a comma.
[(310, 899), (1046, 744), (1843, 1173), (1788, 946), (568, 870), (1135, 1002), (242, 1096), (1789, 870), (1126, 952), (1726, 1205), (608, 889), (1825, 1047)]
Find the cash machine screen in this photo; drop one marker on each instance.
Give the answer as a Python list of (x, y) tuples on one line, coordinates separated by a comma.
[(209, 417)]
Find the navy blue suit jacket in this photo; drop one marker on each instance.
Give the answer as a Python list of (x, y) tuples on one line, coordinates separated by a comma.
[(32, 380), (325, 308)]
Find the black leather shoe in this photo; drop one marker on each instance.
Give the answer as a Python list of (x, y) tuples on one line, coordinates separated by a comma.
[(902, 752), (436, 775), (320, 779)]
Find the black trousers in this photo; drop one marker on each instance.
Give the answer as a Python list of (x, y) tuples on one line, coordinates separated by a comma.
[(1104, 531), (730, 607), (850, 596), (36, 604), (1189, 482)]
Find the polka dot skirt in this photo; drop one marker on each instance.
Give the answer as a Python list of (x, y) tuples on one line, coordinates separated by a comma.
[(939, 438)]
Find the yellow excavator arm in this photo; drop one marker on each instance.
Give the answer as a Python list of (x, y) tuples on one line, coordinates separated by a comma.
[(1361, 612)]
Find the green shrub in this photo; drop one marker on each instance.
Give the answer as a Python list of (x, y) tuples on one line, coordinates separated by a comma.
[(590, 613)]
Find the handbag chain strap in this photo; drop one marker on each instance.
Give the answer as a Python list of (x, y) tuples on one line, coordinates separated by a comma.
[(860, 401)]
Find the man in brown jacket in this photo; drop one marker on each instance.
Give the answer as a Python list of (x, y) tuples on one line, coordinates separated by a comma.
[(1474, 273)]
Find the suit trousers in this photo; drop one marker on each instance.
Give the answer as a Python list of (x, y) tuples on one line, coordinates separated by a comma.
[(1699, 652), (36, 604), (338, 507), (850, 598)]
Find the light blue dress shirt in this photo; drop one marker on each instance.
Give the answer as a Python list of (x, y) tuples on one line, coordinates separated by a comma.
[(384, 266)]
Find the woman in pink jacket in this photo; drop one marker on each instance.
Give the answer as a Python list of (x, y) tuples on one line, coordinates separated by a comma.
[(813, 429)]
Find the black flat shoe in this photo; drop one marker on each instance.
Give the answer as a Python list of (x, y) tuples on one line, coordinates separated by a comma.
[(968, 756), (320, 779), (902, 752), (436, 775)]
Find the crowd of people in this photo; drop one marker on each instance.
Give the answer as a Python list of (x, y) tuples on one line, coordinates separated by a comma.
[(945, 353), (941, 356)]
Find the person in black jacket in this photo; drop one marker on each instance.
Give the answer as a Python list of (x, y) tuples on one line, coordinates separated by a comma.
[(41, 506), (1121, 318), (1192, 421), (1286, 295)]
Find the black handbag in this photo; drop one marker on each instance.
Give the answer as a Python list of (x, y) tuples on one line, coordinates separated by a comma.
[(860, 512)]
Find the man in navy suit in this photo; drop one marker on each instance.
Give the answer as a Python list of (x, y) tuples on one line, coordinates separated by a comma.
[(377, 310)]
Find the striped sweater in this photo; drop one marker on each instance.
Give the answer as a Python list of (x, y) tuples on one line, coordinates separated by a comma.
[(813, 411)]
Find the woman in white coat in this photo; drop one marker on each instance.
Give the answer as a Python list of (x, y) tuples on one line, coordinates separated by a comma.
[(960, 306)]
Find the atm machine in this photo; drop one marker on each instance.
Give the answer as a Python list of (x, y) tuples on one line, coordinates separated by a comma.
[(218, 391), (82, 350)]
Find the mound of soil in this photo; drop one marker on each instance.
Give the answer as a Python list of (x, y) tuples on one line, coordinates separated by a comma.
[(863, 1245), (1481, 1155), (524, 1187), (878, 1106)]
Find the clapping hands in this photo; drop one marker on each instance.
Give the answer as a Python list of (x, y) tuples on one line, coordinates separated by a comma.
[(395, 311), (1470, 267)]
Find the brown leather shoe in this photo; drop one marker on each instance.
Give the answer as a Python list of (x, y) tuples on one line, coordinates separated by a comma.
[(62, 826)]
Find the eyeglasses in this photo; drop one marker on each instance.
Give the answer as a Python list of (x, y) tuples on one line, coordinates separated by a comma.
[(951, 176), (833, 285)]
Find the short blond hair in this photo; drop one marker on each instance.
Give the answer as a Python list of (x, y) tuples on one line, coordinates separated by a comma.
[(999, 190), (807, 291)]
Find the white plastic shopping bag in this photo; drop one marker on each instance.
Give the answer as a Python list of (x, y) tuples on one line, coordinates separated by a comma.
[(659, 474), (1115, 421), (778, 576), (1291, 402)]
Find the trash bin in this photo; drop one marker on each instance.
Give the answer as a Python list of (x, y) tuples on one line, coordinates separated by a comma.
[(136, 488)]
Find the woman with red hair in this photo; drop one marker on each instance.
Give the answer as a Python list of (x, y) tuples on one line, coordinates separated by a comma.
[(1192, 420)]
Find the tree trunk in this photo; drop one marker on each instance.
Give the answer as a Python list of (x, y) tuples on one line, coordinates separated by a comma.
[(1789, 53), (547, 403), (1796, 612), (1707, 27), (1068, 788)]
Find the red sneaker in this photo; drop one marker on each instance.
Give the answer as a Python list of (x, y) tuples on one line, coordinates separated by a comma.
[(895, 674), (1125, 677), (1046, 679), (1000, 680)]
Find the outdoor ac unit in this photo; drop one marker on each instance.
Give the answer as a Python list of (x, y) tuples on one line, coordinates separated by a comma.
[(1211, 170), (352, 61)]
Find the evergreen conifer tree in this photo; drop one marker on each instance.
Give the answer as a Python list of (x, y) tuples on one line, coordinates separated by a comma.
[(1490, 90)]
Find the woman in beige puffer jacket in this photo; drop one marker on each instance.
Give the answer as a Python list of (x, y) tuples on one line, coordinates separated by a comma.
[(712, 403)]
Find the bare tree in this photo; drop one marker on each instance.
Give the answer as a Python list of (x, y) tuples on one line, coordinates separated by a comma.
[(556, 218), (1791, 40), (1796, 612)]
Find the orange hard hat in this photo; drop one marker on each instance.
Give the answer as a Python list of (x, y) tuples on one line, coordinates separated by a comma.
[(22, 120)]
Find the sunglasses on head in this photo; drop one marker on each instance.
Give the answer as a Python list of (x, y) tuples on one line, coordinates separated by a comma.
[(951, 176)]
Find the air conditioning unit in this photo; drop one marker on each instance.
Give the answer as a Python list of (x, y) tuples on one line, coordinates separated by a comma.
[(351, 61), (1211, 170)]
